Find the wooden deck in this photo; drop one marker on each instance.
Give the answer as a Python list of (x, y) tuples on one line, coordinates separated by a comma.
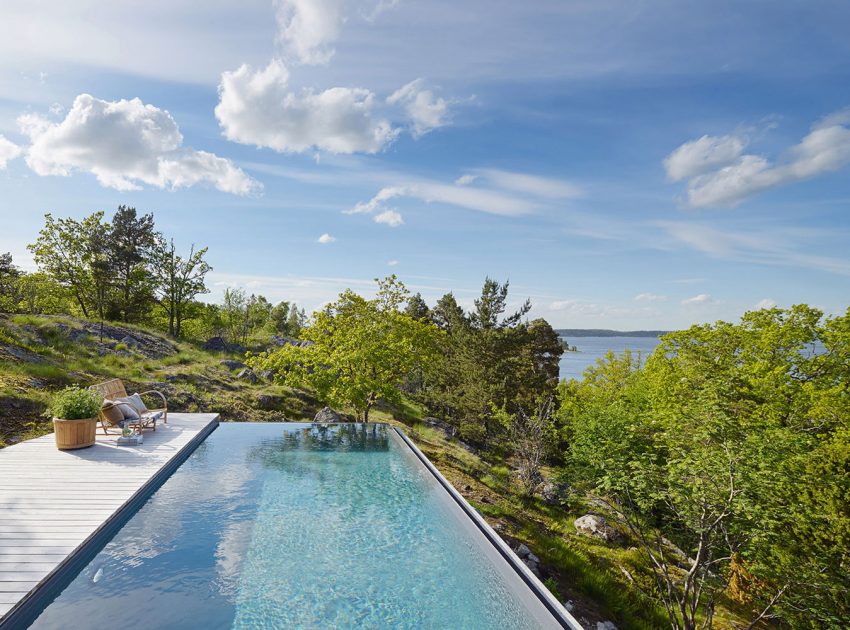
[(52, 501)]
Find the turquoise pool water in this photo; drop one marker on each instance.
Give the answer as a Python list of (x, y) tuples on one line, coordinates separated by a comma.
[(295, 526)]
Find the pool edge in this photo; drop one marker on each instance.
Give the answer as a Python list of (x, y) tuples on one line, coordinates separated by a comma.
[(26, 611), (560, 614)]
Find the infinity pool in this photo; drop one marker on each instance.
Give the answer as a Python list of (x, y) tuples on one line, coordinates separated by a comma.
[(299, 526)]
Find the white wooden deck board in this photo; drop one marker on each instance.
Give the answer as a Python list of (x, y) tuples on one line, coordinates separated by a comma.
[(51, 500)]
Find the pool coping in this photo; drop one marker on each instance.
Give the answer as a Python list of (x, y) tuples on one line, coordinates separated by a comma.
[(555, 608), (26, 610)]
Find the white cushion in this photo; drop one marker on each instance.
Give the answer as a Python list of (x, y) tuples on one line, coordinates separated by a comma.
[(136, 401)]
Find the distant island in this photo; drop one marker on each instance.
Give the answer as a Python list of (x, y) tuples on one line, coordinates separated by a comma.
[(602, 332)]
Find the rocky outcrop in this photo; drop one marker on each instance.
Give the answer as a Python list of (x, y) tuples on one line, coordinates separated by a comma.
[(326, 414), (247, 375), (232, 364), (218, 344), (443, 426), (554, 493), (595, 526), (270, 401), (280, 341), (528, 559)]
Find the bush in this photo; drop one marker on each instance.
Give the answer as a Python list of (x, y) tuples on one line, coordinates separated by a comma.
[(74, 403)]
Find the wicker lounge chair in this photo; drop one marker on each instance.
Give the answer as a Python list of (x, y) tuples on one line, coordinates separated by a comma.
[(114, 389)]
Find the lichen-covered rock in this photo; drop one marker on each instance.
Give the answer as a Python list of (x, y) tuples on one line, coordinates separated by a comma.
[(522, 551), (232, 364), (596, 526), (326, 414), (554, 493), (247, 375)]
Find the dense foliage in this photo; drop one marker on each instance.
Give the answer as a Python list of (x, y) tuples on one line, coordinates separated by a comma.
[(125, 270), (74, 403), (360, 350), (726, 458)]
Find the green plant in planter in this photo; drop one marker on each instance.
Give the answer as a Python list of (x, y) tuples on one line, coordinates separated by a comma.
[(74, 403)]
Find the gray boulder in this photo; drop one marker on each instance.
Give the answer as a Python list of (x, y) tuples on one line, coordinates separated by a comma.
[(522, 551), (596, 526), (266, 374), (269, 401), (247, 375), (215, 344), (326, 414), (280, 341), (533, 567), (554, 493), (130, 342), (232, 364), (443, 426)]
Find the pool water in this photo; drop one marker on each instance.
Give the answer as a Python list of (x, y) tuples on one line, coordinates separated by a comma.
[(296, 526)]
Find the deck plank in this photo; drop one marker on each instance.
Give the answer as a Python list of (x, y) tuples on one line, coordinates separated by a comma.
[(51, 501)]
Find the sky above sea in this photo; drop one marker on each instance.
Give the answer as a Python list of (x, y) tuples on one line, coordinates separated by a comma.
[(624, 164)]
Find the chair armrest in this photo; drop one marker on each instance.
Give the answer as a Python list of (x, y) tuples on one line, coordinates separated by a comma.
[(153, 391)]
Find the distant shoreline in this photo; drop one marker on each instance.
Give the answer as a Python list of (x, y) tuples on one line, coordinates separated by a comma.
[(602, 332)]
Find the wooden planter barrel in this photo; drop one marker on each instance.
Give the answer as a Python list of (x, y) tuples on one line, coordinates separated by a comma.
[(71, 434)]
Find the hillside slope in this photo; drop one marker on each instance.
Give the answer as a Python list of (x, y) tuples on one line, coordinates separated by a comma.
[(39, 355)]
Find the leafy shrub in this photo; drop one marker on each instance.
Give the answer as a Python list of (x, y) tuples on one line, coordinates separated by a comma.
[(75, 403)]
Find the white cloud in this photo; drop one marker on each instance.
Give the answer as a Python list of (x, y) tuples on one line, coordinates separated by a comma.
[(125, 144), (392, 263), (706, 153), (8, 151), (765, 303), (326, 238), (650, 297), (505, 193), (824, 149), (257, 107), (576, 307), (308, 28), (698, 300), (425, 110), (760, 245), (536, 185), (389, 217), (482, 200)]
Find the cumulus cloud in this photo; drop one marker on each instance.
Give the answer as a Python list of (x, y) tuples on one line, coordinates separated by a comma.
[(124, 144), (697, 300), (257, 107), (706, 153), (650, 297), (719, 175), (308, 28), (326, 238), (425, 110), (8, 151), (392, 263), (389, 217), (765, 303)]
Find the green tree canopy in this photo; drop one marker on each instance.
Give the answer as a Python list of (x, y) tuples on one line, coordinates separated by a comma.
[(361, 350)]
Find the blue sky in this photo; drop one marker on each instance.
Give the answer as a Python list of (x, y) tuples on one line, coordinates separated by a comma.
[(625, 164)]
